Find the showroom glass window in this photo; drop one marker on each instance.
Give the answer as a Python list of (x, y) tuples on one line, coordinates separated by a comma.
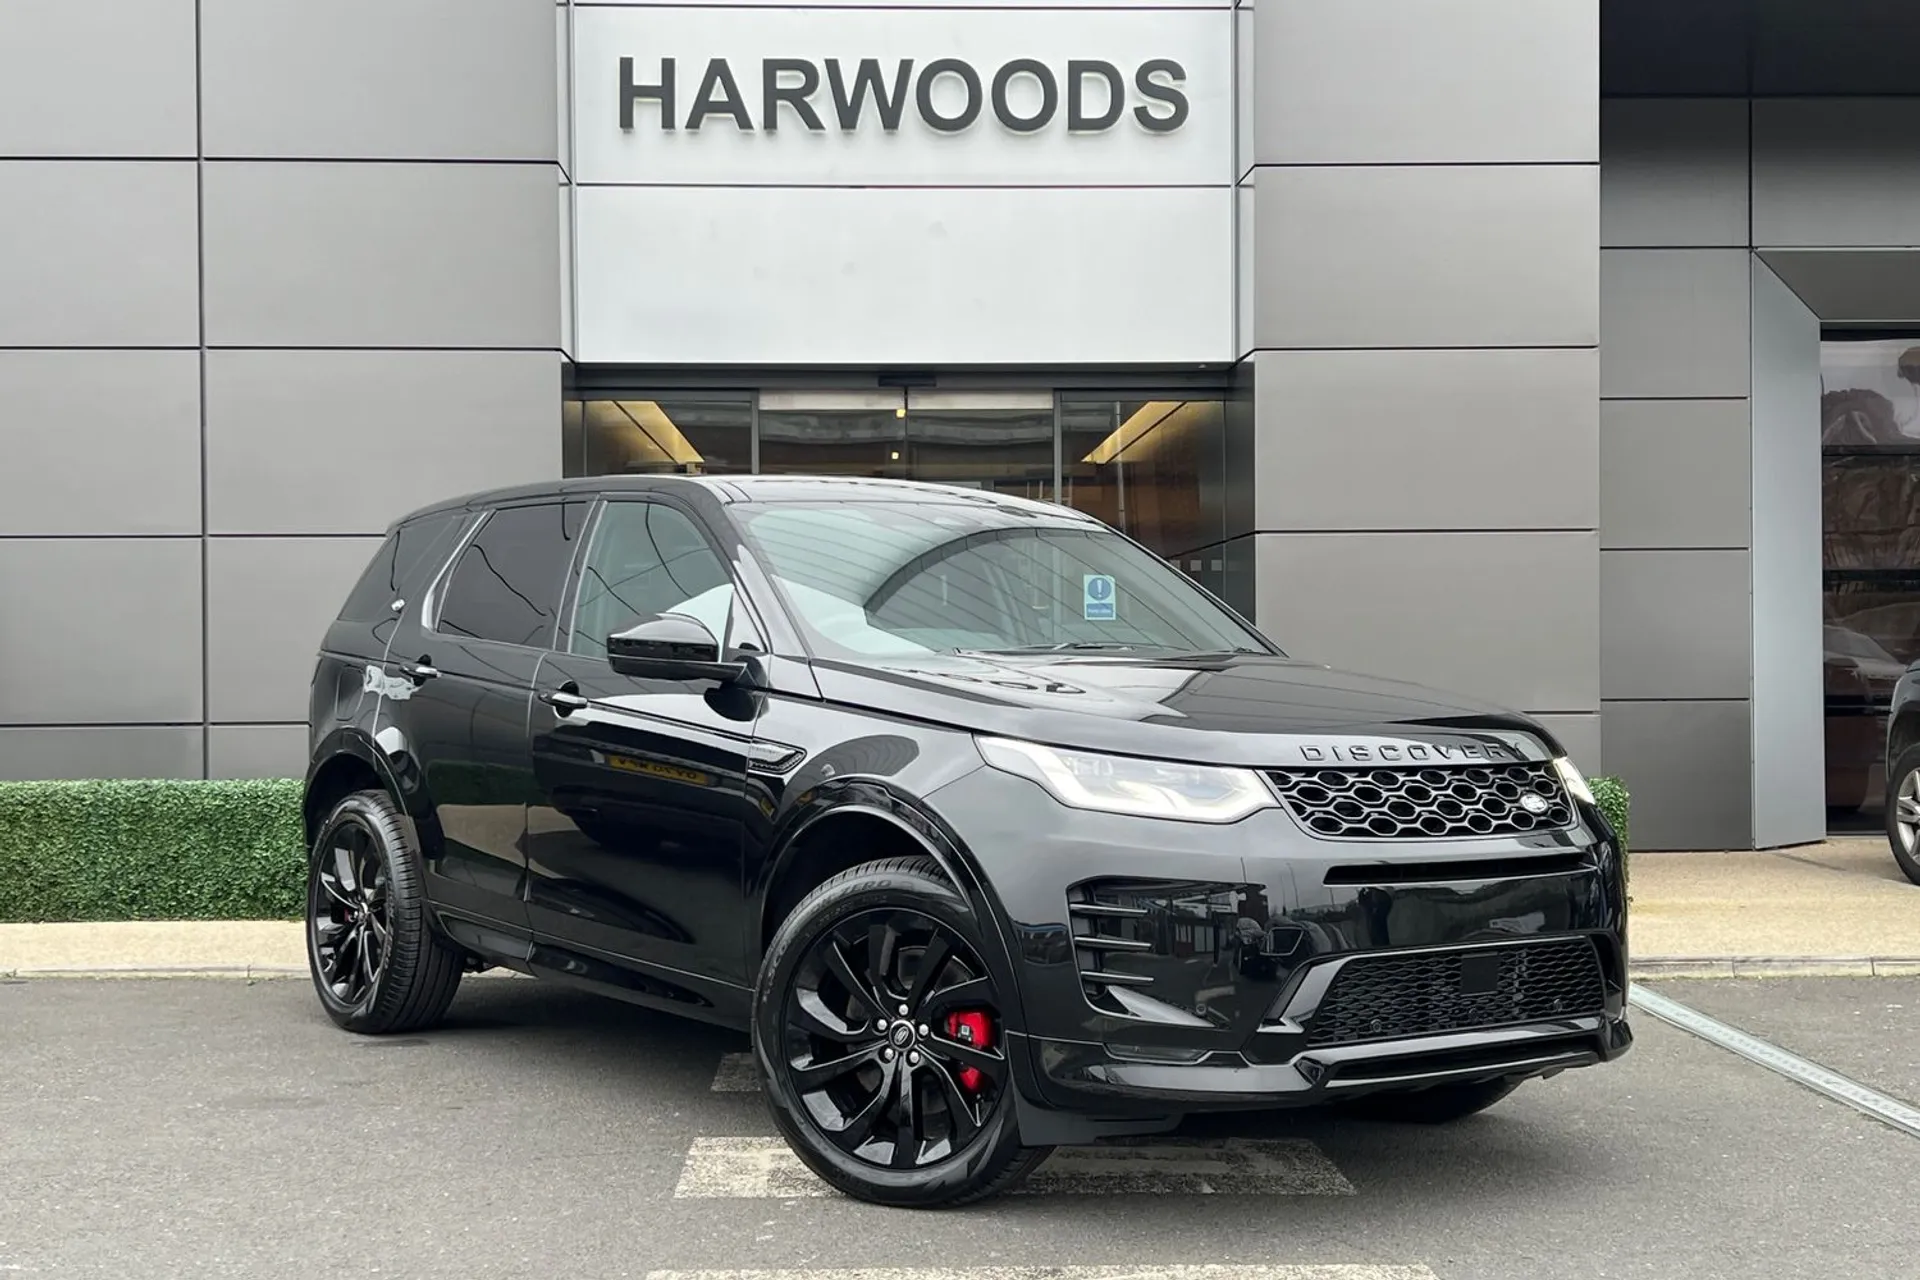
[(1151, 468), (1151, 465), (668, 434), (1870, 481), (507, 584), (1000, 441)]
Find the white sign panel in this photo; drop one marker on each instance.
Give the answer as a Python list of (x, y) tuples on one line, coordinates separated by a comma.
[(905, 275), (903, 96)]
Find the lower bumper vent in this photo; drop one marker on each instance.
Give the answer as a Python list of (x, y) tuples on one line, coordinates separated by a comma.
[(1394, 996)]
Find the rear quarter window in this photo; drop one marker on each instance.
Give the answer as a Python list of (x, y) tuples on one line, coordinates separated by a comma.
[(409, 553)]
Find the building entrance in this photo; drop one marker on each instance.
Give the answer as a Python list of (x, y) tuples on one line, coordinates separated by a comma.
[(1002, 441)]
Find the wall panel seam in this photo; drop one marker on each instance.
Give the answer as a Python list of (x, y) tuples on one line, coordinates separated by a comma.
[(200, 268)]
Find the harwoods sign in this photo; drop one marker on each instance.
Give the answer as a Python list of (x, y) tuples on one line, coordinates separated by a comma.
[(1086, 95)]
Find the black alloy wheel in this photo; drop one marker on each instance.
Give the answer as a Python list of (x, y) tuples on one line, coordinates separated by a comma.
[(352, 934), (377, 965), (881, 1040)]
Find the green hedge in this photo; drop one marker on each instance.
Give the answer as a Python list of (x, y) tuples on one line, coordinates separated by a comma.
[(151, 850), (1610, 794)]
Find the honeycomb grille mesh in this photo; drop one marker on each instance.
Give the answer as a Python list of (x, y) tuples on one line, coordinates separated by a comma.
[(1425, 804), (1391, 996)]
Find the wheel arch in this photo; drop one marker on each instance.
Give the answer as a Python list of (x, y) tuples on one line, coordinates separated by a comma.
[(862, 822), (1903, 731), (348, 760)]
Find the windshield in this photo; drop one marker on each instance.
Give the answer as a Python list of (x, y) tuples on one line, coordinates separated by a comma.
[(880, 579)]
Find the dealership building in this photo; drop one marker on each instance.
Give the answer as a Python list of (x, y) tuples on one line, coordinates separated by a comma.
[(1560, 352)]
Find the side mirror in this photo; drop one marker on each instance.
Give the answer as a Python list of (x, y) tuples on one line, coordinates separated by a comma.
[(670, 646)]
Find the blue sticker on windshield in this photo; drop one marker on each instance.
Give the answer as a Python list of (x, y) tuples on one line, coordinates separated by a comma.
[(1096, 597)]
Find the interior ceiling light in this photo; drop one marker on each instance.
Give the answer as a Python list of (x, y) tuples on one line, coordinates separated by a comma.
[(1127, 434), (654, 423)]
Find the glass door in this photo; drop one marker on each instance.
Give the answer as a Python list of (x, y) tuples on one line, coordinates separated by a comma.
[(1003, 441)]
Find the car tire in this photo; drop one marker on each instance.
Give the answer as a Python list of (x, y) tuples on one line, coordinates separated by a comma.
[(856, 944), (1905, 775), (1440, 1104), (377, 965)]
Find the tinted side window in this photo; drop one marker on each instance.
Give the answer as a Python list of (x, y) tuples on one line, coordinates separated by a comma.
[(647, 559), (414, 548), (508, 582)]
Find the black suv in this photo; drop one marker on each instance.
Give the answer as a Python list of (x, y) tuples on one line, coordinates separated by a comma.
[(994, 830)]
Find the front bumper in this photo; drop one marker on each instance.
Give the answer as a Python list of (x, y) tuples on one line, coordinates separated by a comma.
[(1166, 967)]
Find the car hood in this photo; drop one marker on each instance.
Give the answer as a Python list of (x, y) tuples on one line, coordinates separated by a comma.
[(1249, 709)]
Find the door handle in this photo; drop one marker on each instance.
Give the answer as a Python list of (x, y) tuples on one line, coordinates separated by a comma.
[(565, 700), (419, 672)]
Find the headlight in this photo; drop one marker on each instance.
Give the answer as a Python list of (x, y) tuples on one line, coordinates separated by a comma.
[(1122, 784), (1570, 778)]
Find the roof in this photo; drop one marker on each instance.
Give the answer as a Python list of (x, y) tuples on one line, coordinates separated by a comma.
[(762, 488)]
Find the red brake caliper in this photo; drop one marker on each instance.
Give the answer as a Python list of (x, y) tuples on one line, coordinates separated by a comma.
[(971, 1028)]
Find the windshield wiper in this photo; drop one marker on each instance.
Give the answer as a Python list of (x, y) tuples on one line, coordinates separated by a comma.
[(1069, 645)]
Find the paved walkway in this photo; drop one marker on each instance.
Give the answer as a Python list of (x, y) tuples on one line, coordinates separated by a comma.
[(1841, 907)]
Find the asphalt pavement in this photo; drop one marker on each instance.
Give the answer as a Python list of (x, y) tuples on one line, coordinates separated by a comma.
[(220, 1127)]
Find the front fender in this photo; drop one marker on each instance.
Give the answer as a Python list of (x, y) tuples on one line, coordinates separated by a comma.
[(920, 823)]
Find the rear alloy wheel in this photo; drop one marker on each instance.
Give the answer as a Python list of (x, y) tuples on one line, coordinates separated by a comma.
[(881, 1044), (1903, 812), (1440, 1104), (377, 965)]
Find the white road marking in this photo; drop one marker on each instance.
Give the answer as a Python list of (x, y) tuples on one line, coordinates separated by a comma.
[(1334, 1271), (766, 1168), (1840, 1088), (737, 1073)]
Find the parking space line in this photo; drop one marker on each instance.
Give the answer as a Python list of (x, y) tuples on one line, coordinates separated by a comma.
[(766, 1168), (737, 1073), (1832, 1084), (1306, 1271)]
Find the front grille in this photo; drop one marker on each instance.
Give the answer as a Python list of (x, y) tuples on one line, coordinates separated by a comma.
[(1425, 804), (1391, 996)]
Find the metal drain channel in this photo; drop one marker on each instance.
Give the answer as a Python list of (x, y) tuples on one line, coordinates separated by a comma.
[(1811, 1074)]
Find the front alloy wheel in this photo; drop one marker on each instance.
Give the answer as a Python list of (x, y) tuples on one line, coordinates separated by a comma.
[(880, 1037)]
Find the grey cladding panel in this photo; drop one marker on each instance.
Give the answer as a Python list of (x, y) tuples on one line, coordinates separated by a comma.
[(1509, 617), (99, 442), (100, 630), (97, 78), (1436, 256), (1580, 738), (382, 255), (1686, 765), (101, 751), (1411, 81), (399, 79), (98, 254), (1673, 173), (1674, 323), (257, 751), (1675, 474), (1475, 439), (269, 602), (1675, 624), (1838, 172), (348, 441)]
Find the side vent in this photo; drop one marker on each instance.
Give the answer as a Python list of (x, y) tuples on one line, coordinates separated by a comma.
[(1130, 934)]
